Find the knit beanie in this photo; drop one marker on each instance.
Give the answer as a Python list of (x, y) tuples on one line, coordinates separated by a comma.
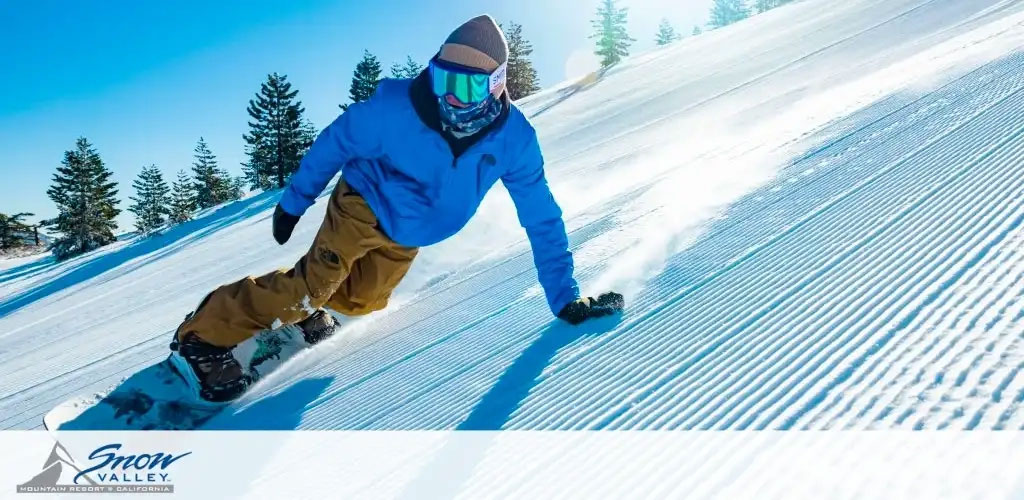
[(478, 44)]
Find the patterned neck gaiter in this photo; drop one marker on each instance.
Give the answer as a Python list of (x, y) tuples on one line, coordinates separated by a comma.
[(464, 122)]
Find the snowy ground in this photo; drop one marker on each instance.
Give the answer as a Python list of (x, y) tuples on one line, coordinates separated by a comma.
[(816, 216)]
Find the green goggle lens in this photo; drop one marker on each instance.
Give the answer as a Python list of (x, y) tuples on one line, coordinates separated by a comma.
[(469, 88)]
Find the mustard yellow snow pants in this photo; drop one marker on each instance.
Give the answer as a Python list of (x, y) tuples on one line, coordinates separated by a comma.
[(352, 268)]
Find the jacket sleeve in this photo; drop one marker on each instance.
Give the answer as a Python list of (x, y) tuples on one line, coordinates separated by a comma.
[(540, 215), (353, 134)]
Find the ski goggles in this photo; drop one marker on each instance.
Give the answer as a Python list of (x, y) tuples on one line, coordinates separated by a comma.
[(468, 85)]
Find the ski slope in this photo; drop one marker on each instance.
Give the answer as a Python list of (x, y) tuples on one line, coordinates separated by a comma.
[(815, 215)]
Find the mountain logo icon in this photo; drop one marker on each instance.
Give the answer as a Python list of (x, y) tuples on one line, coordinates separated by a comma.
[(59, 470)]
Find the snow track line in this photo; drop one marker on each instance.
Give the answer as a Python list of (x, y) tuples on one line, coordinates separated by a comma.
[(908, 344), (84, 366), (858, 361), (631, 322), (800, 365), (877, 268)]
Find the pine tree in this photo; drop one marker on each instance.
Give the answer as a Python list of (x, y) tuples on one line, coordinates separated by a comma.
[(409, 69), (521, 76), (696, 31), (183, 199), (278, 135), (151, 201), (726, 12), (13, 231), (237, 187), (666, 33), (256, 168), (86, 201), (612, 39), (308, 133), (225, 190), (211, 183), (765, 5), (364, 79)]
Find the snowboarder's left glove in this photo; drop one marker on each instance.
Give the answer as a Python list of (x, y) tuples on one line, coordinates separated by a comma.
[(284, 223), (584, 308)]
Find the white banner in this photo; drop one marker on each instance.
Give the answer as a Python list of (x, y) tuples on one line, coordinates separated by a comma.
[(472, 465)]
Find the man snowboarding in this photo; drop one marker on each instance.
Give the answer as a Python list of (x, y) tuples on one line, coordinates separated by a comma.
[(416, 160)]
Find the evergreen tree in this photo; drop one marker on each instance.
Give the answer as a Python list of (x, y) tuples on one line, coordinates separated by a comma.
[(521, 76), (612, 39), (765, 5), (278, 136), (86, 201), (151, 200), (256, 169), (308, 133), (696, 31), (183, 199), (237, 187), (364, 79), (666, 33), (409, 69), (225, 187), (211, 185), (726, 12), (13, 230)]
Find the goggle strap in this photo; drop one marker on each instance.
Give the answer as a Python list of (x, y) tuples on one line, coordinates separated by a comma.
[(498, 77)]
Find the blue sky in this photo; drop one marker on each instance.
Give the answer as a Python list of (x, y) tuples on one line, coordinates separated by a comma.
[(144, 80)]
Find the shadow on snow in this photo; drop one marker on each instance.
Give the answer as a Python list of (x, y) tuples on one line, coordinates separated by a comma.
[(154, 248)]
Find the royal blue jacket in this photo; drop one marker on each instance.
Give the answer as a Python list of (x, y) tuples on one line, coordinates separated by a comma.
[(422, 193)]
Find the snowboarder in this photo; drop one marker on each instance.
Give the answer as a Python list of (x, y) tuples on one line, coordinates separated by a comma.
[(417, 159)]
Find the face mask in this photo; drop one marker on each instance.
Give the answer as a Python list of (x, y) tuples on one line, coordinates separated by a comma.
[(464, 122)]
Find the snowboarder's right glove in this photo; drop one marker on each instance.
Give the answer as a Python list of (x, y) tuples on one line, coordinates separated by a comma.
[(284, 223), (584, 308)]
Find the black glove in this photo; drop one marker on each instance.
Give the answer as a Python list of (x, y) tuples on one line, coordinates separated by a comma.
[(584, 308), (284, 223)]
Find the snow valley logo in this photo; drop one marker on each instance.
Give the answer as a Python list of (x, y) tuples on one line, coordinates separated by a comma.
[(108, 471)]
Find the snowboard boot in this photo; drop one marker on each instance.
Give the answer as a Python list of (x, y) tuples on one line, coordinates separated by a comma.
[(212, 372), (318, 327)]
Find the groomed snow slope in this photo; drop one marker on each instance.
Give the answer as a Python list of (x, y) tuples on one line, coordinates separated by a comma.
[(816, 215)]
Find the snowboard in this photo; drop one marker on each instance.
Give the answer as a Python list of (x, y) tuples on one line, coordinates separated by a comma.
[(159, 397)]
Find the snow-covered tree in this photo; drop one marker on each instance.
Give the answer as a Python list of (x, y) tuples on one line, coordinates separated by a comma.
[(696, 31), (726, 12), (86, 202), (764, 5), (610, 32), (14, 231), (409, 69), (212, 185), (278, 135), (666, 33), (151, 201), (364, 79), (183, 199), (521, 76), (256, 168), (238, 186)]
